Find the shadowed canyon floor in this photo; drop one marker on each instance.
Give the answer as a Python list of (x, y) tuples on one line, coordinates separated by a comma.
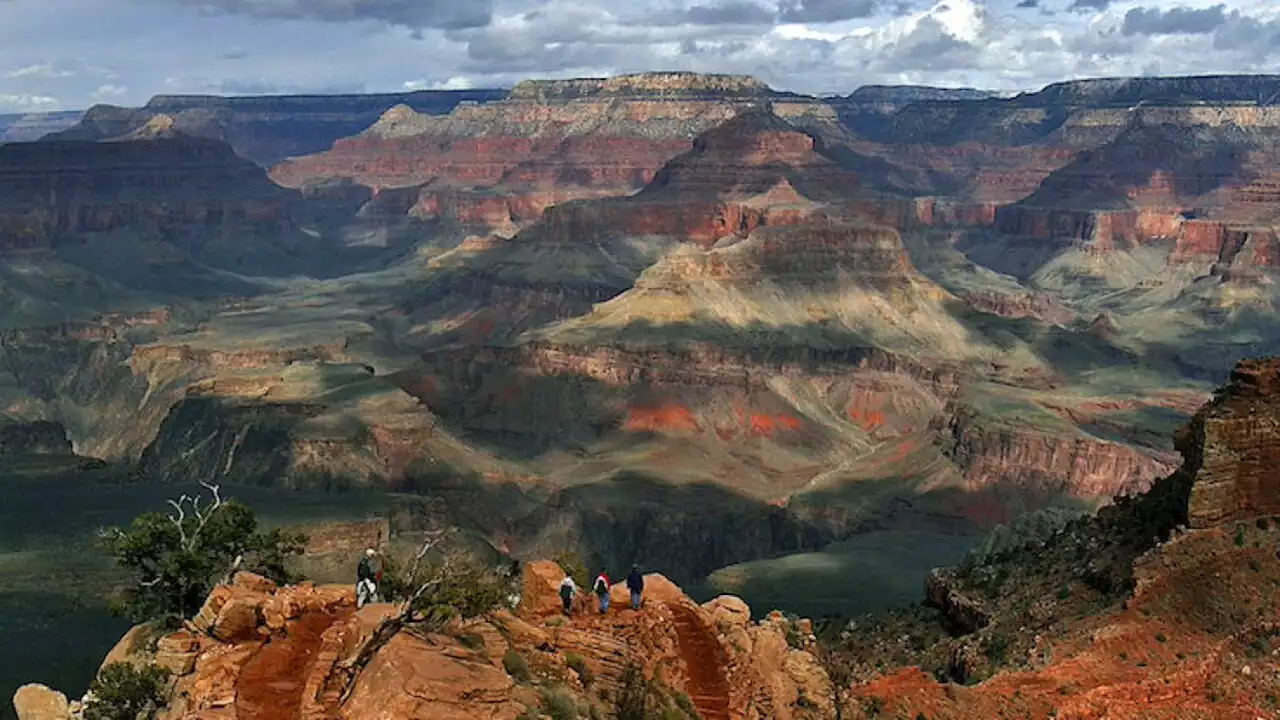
[(576, 315)]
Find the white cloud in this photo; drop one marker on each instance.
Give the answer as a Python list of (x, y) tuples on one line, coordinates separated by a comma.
[(109, 91), (24, 103), (44, 70), (454, 83)]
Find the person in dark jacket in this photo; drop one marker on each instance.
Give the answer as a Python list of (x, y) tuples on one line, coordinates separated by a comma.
[(635, 583)]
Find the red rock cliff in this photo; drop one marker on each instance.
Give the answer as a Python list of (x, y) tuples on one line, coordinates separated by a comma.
[(1233, 447)]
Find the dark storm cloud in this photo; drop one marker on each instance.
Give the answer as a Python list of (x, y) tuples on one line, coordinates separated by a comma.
[(825, 11), (447, 14), (1178, 21)]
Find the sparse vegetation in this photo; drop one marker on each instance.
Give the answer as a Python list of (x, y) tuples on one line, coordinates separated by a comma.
[(873, 706), (579, 665), (560, 704), (123, 692), (633, 695), (516, 666)]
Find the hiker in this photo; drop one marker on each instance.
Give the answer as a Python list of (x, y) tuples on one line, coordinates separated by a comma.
[(601, 588), (567, 590), (367, 579), (635, 583)]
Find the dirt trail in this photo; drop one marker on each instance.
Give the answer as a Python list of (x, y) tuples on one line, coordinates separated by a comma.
[(271, 684), (702, 655)]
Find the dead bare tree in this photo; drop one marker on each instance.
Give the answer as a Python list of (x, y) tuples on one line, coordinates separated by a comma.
[(406, 612)]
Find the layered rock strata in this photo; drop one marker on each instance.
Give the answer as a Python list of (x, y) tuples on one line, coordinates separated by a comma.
[(1232, 447), (267, 129)]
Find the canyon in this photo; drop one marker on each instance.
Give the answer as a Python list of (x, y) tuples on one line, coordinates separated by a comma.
[(1097, 616), (578, 314)]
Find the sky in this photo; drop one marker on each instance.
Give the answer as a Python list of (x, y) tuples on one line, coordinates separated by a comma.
[(71, 54)]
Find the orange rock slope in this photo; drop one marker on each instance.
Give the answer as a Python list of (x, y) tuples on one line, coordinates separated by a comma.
[(261, 652)]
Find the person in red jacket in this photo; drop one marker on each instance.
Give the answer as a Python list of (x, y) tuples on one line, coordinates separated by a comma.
[(601, 588)]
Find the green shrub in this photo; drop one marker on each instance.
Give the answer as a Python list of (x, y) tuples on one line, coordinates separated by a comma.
[(579, 665), (516, 666), (559, 704), (633, 695), (122, 691), (178, 557), (686, 704)]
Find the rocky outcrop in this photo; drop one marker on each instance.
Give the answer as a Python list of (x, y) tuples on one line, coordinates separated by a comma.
[(1040, 306), (37, 702), (1232, 446), (275, 653), (963, 611)]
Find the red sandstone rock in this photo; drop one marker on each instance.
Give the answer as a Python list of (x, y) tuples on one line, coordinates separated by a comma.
[(1232, 447)]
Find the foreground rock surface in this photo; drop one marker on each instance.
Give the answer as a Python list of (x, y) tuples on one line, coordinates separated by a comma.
[(261, 652)]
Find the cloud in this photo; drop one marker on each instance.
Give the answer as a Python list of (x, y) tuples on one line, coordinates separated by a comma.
[(825, 11), (1179, 20), (25, 102), (446, 14), (1242, 34), (1089, 5), (109, 91), (1028, 3), (453, 83), (43, 70), (728, 12)]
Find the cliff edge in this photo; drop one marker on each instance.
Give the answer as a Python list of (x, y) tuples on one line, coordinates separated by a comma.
[(265, 652)]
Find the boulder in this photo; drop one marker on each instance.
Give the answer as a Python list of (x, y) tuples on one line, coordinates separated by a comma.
[(238, 619), (177, 652), (540, 596), (730, 610), (136, 647), (37, 702), (253, 583)]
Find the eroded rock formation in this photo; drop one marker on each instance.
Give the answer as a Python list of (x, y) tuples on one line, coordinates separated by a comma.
[(275, 653), (1232, 447)]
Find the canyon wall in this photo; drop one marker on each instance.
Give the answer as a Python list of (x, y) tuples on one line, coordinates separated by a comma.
[(267, 129), (1232, 447)]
